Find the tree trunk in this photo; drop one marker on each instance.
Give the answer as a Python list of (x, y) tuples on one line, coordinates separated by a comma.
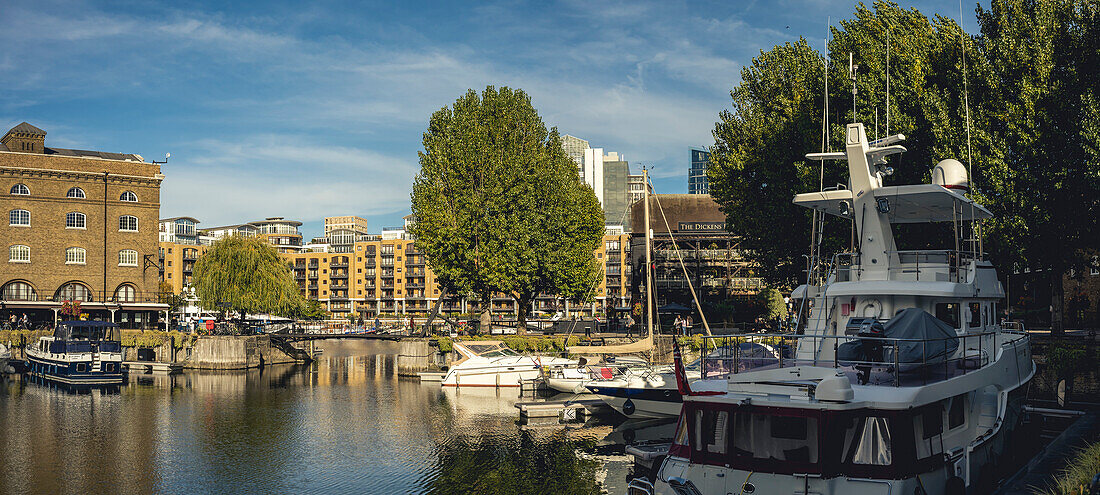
[(486, 317), (523, 303), (1057, 302)]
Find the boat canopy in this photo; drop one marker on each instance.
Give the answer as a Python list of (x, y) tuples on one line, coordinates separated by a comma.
[(918, 203), (87, 330), (922, 338)]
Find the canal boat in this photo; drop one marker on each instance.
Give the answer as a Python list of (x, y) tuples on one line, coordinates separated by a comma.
[(491, 364), (902, 380), (78, 353)]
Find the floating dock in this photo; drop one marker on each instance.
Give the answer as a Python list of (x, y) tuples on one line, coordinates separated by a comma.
[(152, 367), (431, 376), (566, 409)]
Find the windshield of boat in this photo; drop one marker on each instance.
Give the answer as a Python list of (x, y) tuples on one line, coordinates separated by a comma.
[(91, 331), (503, 351)]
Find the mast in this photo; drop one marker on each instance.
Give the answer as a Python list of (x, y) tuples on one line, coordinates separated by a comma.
[(648, 260)]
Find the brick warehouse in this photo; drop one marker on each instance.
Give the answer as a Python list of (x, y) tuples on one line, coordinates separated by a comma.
[(82, 225)]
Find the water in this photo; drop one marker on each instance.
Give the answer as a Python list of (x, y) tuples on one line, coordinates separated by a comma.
[(345, 424)]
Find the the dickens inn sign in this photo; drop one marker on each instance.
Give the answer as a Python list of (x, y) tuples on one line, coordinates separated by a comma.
[(702, 227)]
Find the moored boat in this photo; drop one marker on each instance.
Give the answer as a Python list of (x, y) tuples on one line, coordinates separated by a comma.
[(78, 353), (491, 364), (902, 380)]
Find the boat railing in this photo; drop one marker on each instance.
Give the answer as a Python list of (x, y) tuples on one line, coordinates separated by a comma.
[(896, 362), (944, 265)]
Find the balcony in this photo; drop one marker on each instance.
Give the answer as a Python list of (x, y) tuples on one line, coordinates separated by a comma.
[(313, 285), (338, 265), (343, 275), (300, 276)]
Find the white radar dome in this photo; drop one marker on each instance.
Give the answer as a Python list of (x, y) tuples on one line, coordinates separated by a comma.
[(950, 173)]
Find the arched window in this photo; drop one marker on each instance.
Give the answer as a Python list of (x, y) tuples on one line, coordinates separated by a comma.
[(128, 197), (21, 218), (127, 223), (125, 293), (75, 220), (75, 192), (127, 257), (20, 190), (75, 256), (18, 291), (74, 291), (19, 254)]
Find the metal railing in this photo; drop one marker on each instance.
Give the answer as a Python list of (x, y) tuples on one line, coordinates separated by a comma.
[(889, 361)]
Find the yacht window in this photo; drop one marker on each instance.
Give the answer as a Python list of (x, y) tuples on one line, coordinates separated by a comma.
[(928, 426), (711, 428), (956, 415), (867, 441), (948, 313), (975, 315), (775, 437)]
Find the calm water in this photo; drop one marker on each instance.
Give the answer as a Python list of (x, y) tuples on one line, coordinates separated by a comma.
[(345, 424)]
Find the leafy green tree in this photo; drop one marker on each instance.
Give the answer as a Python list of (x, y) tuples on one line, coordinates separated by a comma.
[(499, 206), (311, 309), (758, 161), (772, 303), (1044, 182), (174, 301), (246, 274)]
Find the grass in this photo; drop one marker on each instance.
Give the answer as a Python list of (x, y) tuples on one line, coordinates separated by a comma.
[(1075, 478)]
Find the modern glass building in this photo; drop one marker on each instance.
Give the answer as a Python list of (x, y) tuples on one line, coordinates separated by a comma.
[(697, 174)]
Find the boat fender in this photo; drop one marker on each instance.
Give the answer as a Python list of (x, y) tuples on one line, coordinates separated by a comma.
[(628, 407)]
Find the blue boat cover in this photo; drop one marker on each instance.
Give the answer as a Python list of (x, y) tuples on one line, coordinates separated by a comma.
[(932, 340)]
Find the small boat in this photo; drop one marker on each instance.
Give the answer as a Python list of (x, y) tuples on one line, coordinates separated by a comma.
[(574, 380), (78, 353), (5, 355), (490, 364), (643, 393)]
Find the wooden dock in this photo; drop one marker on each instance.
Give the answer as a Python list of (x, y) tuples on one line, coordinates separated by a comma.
[(152, 367), (564, 409)]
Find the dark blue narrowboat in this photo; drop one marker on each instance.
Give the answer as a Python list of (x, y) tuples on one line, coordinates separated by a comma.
[(78, 353)]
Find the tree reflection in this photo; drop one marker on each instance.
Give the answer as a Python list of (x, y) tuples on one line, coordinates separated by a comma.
[(488, 464)]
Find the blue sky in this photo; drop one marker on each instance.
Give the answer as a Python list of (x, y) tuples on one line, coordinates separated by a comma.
[(309, 109)]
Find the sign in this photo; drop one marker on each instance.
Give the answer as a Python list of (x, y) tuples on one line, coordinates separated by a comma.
[(702, 227)]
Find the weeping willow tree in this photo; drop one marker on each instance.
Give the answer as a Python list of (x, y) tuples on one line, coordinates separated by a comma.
[(247, 275)]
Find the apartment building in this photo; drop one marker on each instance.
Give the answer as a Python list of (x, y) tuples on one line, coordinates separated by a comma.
[(82, 226)]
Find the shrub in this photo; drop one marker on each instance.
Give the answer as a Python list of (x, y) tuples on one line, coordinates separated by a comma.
[(1077, 475)]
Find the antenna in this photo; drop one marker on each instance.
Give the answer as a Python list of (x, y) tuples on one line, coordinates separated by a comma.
[(852, 68)]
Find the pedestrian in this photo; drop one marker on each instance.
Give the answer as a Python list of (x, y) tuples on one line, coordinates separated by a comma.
[(377, 324), (25, 322), (678, 325), (688, 324), (412, 326), (629, 325)]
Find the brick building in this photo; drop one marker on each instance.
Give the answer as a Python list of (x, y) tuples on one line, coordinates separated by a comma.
[(82, 225)]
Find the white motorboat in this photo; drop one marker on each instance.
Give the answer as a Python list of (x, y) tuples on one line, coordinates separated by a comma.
[(643, 393), (573, 380), (491, 364), (902, 380)]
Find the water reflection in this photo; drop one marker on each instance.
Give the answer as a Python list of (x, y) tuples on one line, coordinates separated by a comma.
[(343, 425)]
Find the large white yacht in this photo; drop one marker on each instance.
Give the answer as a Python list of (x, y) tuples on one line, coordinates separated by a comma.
[(902, 379)]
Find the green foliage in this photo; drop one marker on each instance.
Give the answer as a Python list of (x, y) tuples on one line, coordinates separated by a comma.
[(28, 336), (519, 343), (1077, 475), (1044, 182), (758, 163), (492, 465), (155, 338), (1067, 361), (174, 301), (499, 206), (248, 275), (773, 304), (312, 310)]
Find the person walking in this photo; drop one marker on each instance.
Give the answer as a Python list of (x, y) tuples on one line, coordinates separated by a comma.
[(377, 325), (629, 325), (678, 326)]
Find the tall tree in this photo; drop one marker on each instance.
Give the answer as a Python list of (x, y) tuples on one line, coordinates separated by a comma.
[(247, 275), (758, 161), (1044, 184), (499, 206)]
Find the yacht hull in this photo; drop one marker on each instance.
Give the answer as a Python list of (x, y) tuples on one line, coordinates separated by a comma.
[(76, 371), (635, 402)]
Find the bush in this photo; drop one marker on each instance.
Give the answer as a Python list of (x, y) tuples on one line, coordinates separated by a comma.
[(1077, 475)]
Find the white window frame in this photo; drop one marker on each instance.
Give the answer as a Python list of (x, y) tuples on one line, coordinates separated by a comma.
[(128, 196), (14, 250), (75, 193), (127, 257), (76, 256), (12, 215), (125, 228), (16, 191), (83, 220)]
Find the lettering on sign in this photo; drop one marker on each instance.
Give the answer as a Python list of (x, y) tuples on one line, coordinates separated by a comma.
[(702, 227)]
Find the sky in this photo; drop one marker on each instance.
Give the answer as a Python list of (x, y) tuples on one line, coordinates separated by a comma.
[(312, 109)]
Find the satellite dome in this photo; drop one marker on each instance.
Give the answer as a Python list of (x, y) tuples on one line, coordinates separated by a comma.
[(951, 174)]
